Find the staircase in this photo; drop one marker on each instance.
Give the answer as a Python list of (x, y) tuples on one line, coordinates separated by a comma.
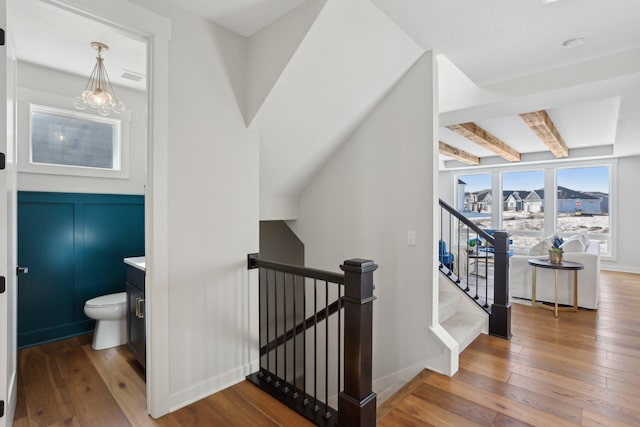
[(462, 319)]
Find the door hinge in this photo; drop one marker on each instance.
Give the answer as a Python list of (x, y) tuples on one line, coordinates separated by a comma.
[(1, 36), (2, 161), (3, 284)]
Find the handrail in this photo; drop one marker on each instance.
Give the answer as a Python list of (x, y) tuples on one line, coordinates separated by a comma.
[(255, 262), (468, 223)]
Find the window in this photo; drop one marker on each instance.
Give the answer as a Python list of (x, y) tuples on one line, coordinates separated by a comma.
[(68, 139), (474, 198), (523, 206), (581, 196), (582, 203)]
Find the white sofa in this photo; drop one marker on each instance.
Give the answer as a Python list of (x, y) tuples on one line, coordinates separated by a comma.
[(520, 277)]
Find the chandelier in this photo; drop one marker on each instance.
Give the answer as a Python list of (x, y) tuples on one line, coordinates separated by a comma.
[(98, 93)]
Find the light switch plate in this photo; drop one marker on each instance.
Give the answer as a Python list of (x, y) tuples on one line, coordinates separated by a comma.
[(411, 238)]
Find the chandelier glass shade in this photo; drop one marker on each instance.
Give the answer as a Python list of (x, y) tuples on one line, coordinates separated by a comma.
[(98, 93)]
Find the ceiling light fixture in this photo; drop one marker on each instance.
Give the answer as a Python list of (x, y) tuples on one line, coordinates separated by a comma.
[(96, 93), (548, 1), (574, 42)]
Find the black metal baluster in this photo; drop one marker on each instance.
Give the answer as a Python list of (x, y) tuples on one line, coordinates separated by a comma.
[(327, 414), (260, 374), (315, 345), (477, 263), (284, 329), (305, 401), (295, 335), (458, 245), (268, 325), (448, 248), (339, 336), (275, 308), (466, 232)]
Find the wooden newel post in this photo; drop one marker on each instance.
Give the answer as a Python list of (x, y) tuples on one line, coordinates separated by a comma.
[(500, 319), (357, 402)]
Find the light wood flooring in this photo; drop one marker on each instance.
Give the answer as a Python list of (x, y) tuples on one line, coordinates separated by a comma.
[(579, 369)]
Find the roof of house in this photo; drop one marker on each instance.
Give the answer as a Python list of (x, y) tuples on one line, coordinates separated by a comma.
[(565, 193)]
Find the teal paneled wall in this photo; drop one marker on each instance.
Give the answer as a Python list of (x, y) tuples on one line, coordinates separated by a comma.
[(73, 245)]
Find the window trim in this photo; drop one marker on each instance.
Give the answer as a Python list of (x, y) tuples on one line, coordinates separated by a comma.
[(116, 153), (611, 237), (57, 104)]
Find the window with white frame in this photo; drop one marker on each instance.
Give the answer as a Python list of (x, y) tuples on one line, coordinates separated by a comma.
[(582, 203), (523, 206), (581, 198), (73, 140)]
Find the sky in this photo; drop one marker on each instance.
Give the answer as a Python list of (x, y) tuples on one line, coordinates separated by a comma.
[(579, 179)]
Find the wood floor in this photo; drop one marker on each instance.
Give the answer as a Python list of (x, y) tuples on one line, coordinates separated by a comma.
[(580, 369)]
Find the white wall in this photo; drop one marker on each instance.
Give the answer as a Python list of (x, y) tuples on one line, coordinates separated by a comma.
[(627, 206), (54, 88), (375, 189), (212, 178)]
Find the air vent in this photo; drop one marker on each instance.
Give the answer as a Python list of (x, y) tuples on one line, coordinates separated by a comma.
[(131, 75)]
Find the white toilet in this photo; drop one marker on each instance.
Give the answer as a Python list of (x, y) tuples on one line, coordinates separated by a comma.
[(109, 311)]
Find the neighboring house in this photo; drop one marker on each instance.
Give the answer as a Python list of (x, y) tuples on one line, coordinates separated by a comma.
[(513, 200), (483, 201), (534, 202), (568, 201), (571, 201), (604, 200)]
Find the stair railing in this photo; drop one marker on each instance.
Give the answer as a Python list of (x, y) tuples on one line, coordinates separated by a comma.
[(315, 340), (464, 245)]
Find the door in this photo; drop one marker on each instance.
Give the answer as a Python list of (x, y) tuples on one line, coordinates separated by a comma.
[(8, 300)]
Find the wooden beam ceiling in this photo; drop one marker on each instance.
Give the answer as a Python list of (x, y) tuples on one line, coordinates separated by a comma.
[(540, 123), (486, 140), (458, 154)]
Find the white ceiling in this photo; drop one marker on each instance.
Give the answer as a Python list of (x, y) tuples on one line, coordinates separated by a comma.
[(58, 39), (501, 46), (244, 17)]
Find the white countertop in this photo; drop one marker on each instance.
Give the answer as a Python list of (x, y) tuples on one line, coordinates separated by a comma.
[(137, 262)]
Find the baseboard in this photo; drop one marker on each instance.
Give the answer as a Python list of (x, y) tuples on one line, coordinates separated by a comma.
[(620, 268), (211, 386), (387, 386)]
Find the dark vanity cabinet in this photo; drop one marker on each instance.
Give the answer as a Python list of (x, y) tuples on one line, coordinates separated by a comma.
[(136, 335)]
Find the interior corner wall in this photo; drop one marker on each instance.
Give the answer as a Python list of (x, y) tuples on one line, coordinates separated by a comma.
[(270, 49), (279, 244), (212, 203), (375, 189), (626, 207), (60, 85)]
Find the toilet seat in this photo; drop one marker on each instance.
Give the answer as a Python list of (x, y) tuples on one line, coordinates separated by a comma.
[(106, 301)]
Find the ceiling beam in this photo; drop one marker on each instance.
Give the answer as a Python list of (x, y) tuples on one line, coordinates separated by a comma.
[(458, 154), (540, 123), (486, 140)]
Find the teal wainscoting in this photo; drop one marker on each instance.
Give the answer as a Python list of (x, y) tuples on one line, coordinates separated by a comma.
[(73, 245)]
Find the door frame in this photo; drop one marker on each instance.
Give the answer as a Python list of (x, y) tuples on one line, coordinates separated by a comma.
[(8, 249), (155, 29)]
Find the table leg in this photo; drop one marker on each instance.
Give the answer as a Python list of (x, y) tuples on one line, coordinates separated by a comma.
[(533, 286), (555, 311), (575, 290)]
